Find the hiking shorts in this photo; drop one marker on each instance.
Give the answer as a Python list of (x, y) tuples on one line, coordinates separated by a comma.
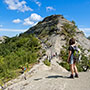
[(71, 59)]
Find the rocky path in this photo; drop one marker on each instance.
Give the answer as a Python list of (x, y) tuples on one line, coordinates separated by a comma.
[(53, 78), (81, 83)]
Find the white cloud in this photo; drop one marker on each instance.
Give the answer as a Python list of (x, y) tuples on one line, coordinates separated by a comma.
[(35, 17), (49, 8), (86, 31), (1, 25), (38, 3), (32, 20), (82, 26), (17, 5), (28, 22), (13, 30), (16, 21)]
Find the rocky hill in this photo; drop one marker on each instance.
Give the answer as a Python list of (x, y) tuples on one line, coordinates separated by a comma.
[(54, 33)]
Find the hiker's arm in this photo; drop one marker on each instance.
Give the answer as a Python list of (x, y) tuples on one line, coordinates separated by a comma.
[(69, 54)]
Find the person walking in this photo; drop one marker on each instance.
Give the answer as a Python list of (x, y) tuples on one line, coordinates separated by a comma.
[(71, 59)]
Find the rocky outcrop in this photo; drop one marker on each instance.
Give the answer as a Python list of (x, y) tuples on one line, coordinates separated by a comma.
[(2, 39)]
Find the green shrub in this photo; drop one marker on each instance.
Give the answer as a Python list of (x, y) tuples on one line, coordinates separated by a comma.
[(79, 67), (65, 65), (16, 52), (68, 30), (46, 62), (64, 54), (73, 22)]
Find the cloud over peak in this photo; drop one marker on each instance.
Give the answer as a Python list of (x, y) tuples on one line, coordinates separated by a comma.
[(28, 22), (32, 20), (35, 17)]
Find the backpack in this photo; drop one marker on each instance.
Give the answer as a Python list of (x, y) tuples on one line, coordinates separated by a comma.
[(77, 53)]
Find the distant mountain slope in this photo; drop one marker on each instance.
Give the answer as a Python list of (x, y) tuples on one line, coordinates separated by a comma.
[(88, 37)]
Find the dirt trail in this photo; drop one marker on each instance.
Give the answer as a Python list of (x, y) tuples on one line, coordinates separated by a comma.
[(53, 78)]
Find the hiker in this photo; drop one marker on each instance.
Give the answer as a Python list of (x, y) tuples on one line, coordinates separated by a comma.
[(71, 59), (24, 69), (50, 57), (55, 53)]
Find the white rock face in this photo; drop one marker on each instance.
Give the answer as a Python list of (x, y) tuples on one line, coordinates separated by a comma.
[(83, 41), (56, 43)]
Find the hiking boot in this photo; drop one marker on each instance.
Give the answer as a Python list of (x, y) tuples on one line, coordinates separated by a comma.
[(76, 75), (71, 76)]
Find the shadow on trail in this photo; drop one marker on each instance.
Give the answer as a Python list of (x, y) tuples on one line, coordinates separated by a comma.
[(37, 79), (53, 76), (58, 76)]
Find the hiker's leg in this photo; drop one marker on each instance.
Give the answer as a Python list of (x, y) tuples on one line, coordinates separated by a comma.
[(75, 68), (76, 71), (72, 69)]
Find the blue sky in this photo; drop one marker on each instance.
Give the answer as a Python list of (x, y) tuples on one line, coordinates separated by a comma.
[(16, 16)]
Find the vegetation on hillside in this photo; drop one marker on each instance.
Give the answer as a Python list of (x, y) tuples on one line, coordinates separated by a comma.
[(17, 52), (46, 62), (68, 30)]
